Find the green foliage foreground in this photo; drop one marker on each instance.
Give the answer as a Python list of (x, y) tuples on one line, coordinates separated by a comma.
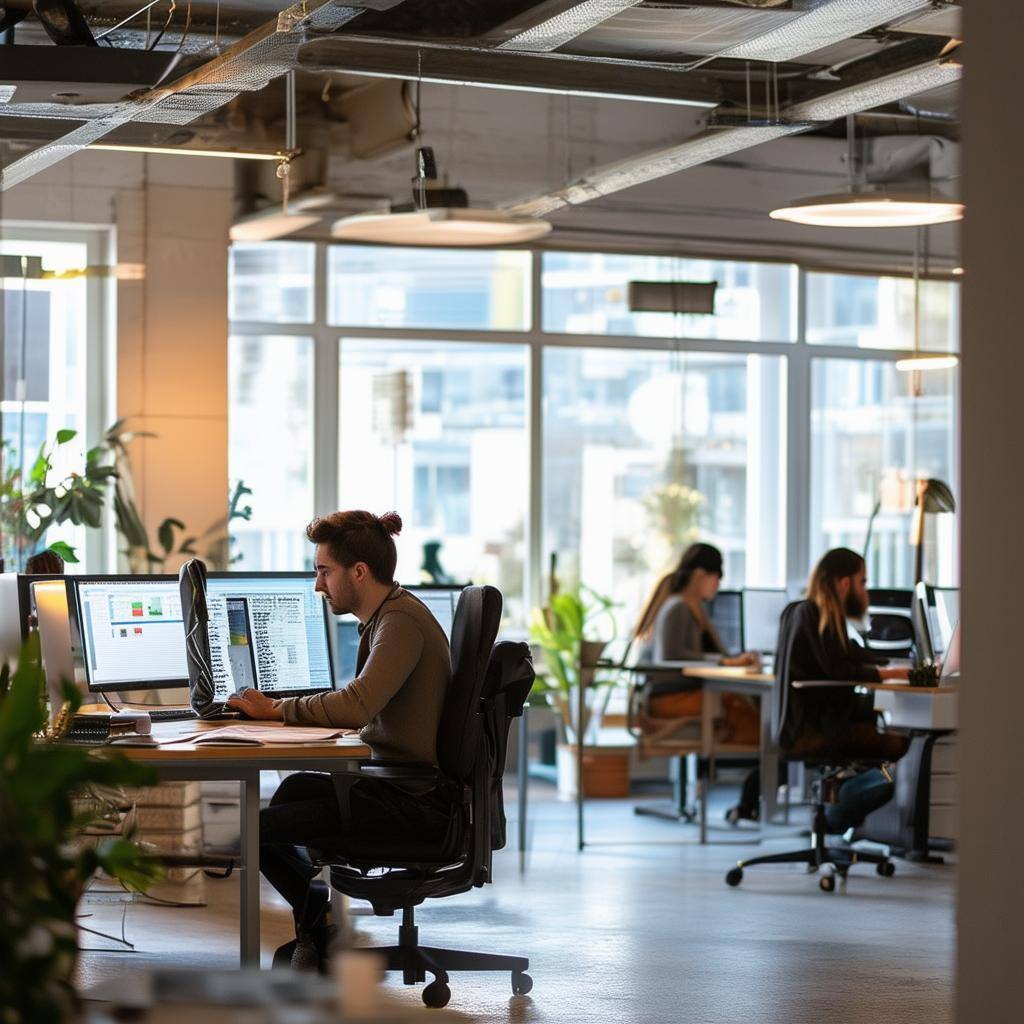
[(43, 871)]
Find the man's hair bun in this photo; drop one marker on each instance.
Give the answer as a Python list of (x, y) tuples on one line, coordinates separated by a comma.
[(391, 522)]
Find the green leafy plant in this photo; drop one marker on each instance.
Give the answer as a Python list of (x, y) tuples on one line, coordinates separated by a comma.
[(44, 870), (33, 502), (566, 634), (172, 535)]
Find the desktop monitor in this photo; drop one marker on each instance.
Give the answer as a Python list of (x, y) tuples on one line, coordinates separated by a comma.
[(929, 636), (726, 612), (947, 613), (128, 631), (269, 631), (762, 610), (441, 599)]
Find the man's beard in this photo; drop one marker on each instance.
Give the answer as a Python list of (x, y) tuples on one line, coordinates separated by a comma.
[(856, 606)]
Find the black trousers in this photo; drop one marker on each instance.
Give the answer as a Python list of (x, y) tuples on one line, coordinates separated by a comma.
[(304, 813)]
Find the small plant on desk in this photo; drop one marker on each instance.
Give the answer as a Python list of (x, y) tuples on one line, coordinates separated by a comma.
[(924, 674), (44, 870)]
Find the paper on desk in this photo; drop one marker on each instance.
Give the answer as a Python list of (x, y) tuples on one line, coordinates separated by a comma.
[(268, 734)]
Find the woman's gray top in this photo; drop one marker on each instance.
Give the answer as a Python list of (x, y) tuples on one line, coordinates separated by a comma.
[(678, 637)]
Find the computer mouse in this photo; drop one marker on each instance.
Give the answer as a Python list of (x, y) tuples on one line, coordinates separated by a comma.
[(132, 741)]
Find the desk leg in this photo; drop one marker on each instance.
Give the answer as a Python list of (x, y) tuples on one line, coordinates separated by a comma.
[(249, 895), (523, 780)]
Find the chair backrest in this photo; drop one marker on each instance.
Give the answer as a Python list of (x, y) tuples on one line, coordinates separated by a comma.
[(783, 672), (474, 629)]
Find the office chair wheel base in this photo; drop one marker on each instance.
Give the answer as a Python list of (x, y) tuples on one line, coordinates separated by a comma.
[(436, 995), (734, 877), (827, 883), (886, 869), (522, 984)]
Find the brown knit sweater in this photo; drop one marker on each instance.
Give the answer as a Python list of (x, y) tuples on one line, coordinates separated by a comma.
[(402, 674)]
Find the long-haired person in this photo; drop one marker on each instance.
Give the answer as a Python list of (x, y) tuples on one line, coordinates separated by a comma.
[(675, 624), (815, 643)]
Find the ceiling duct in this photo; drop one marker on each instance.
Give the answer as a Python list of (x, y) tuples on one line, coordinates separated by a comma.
[(565, 26), (715, 143), (821, 25), (248, 66)]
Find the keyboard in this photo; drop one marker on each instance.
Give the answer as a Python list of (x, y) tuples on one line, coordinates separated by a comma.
[(172, 715)]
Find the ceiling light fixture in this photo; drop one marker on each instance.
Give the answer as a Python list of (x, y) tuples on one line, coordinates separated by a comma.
[(870, 209), (228, 154), (865, 206), (438, 216)]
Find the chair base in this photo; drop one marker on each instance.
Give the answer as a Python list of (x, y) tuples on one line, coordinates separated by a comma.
[(837, 859), (416, 962)]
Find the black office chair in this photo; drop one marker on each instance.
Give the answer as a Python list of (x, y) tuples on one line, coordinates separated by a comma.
[(833, 771), (490, 684)]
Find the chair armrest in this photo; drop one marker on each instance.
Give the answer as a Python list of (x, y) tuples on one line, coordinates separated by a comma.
[(399, 770)]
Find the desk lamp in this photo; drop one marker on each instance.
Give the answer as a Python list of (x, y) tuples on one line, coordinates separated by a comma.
[(932, 496)]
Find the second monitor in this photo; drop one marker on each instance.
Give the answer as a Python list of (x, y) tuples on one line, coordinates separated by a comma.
[(268, 631)]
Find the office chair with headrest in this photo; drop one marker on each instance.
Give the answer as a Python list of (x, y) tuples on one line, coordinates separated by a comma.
[(835, 770), (490, 684)]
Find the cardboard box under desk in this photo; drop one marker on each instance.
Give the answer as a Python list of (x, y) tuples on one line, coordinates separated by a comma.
[(168, 819), (167, 794)]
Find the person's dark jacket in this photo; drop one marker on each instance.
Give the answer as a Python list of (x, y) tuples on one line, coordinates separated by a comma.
[(805, 653)]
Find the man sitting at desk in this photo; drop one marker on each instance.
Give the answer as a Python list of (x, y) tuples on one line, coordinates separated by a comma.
[(403, 670), (814, 643)]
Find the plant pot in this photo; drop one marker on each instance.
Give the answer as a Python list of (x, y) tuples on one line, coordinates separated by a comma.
[(605, 771)]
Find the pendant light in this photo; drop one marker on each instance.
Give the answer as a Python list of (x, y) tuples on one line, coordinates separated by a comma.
[(865, 206)]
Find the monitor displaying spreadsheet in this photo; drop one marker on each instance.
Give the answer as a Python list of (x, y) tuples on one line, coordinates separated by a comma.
[(130, 631), (268, 631)]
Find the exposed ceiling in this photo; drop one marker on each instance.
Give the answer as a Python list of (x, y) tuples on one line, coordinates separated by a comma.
[(694, 85)]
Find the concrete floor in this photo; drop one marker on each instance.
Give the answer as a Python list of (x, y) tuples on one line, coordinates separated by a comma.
[(631, 932)]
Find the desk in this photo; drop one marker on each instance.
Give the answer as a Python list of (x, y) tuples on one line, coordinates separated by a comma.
[(185, 761), (730, 679), (929, 714)]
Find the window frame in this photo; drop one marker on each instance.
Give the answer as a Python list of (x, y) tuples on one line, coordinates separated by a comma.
[(101, 546), (797, 354)]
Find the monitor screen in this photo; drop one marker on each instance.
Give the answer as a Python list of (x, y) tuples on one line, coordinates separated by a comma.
[(268, 631), (130, 632), (924, 615), (762, 610), (947, 613), (442, 601), (726, 612)]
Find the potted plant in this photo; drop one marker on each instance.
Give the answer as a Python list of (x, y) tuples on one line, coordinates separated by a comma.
[(44, 870), (32, 503), (568, 633)]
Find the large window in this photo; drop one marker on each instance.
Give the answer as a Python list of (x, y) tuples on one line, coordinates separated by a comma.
[(45, 323), (454, 288), (511, 408), (438, 432), (871, 438), (587, 293), (270, 446), (645, 452)]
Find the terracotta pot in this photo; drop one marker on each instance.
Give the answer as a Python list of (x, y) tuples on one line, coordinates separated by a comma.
[(605, 771)]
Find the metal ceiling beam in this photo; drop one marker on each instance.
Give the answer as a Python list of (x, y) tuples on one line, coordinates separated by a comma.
[(248, 66), (715, 143), (564, 74)]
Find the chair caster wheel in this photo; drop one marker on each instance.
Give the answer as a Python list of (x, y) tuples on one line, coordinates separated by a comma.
[(436, 995), (522, 984), (827, 883), (886, 869), (734, 877)]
